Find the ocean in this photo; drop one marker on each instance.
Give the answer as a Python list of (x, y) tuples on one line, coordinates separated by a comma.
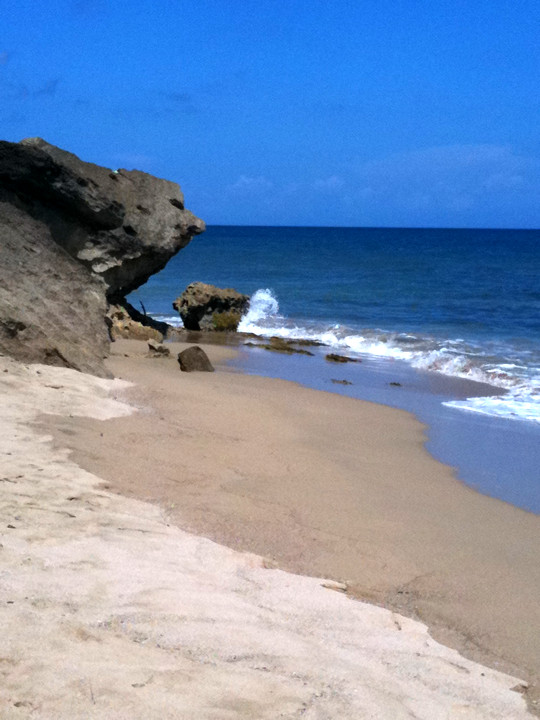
[(445, 321)]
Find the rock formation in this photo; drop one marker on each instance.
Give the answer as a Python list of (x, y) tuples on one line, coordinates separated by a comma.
[(280, 345), (207, 307), (122, 325), (157, 350), (194, 359), (73, 237)]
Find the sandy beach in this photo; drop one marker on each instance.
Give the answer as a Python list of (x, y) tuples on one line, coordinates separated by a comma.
[(189, 545)]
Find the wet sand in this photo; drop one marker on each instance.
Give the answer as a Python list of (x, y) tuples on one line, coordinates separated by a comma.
[(496, 456), (325, 486)]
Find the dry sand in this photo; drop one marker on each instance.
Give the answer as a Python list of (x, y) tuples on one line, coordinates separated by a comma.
[(109, 610)]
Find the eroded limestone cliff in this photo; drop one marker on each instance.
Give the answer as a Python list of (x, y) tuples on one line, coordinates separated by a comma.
[(73, 237)]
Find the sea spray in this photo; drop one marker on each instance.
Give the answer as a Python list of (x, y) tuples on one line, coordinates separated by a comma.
[(263, 306)]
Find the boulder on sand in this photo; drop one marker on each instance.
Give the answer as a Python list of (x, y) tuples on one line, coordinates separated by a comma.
[(194, 359), (207, 307)]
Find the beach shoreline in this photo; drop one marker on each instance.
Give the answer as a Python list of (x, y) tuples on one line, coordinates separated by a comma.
[(488, 453), (234, 457), (496, 456)]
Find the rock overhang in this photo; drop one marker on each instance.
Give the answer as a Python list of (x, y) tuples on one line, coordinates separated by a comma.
[(72, 227)]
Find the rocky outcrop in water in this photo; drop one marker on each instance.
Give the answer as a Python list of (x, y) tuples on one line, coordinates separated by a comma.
[(207, 307), (74, 237)]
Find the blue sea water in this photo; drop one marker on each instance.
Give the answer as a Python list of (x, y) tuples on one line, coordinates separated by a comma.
[(429, 303)]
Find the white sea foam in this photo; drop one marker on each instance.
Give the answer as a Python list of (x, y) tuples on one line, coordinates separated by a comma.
[(372, 346), (452, 362), (263, 306), (174, 320), (516, 406), (455, 357)]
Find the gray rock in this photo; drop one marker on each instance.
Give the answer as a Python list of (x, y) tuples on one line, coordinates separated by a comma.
[(51, 308), (157, 350), (135, 222), (73, 237), (194, 359), (207, 307)]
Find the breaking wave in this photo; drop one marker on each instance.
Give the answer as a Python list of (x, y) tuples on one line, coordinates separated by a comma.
[(514, 369)]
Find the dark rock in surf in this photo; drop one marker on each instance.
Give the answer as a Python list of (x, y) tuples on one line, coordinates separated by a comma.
[(334, 357), (207, 307), (280, 345), (194, 359), (309, 343), (74, 237)]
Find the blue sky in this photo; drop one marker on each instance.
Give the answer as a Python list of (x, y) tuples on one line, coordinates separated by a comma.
[(292, 112)]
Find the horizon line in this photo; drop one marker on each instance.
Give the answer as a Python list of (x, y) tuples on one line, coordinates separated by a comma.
[(378, 227)]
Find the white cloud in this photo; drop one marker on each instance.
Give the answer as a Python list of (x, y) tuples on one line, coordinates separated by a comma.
[(455, 177), (251, 184), (456, 185)]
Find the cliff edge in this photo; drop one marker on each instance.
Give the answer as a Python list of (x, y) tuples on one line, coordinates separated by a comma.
[(73, 237)]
